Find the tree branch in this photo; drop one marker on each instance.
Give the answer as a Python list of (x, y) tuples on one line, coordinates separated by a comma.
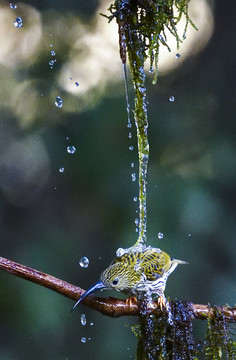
[(108, 306)]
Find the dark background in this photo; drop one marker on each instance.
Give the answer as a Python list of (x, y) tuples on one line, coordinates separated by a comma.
[(49, 220)]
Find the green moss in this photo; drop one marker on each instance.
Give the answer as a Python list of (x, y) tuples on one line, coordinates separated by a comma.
[(220, 343), (145, 22), (158, 340)]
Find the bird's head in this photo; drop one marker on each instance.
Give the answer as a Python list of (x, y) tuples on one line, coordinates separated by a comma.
[(117, 276)]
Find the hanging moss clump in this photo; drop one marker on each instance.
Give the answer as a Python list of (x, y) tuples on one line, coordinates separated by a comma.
[(160, 340), (142, 27), (220, 342)]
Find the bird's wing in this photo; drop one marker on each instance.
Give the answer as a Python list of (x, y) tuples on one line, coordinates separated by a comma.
[(129, 258), (155, 264)]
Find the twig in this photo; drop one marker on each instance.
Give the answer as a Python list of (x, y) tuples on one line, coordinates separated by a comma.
[(107, 306)]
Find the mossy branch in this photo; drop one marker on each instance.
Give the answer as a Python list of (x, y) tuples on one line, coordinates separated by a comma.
[(107, 306)]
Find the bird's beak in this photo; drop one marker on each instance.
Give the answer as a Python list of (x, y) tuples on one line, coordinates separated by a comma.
[(97, 286)]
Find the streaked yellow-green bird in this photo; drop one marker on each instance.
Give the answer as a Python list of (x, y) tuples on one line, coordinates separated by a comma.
[(137, 271)]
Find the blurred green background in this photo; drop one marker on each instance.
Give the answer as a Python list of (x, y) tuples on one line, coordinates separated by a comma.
[(49, 220)]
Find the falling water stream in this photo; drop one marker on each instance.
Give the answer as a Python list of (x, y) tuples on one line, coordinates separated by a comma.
[(126, 95), (141, 27), (140, 116)]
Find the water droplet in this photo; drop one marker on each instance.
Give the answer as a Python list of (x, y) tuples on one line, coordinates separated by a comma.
[(136, 222), (189, 235), (142, 89), (83, 339), (51, 62), (160, 235), (71, 149), (131, 148), (120, 252), (13, 6), (132, 164), (67, 138), (151, 70), (76, 83), (59, 102), (83, 319), (50, 45), (130, 135), (61, 169), (129, 125), (18, 23), (84, 262), (135, 199), (177, 56), (91, 324), (171, 98), (53, 53), (133, 176)]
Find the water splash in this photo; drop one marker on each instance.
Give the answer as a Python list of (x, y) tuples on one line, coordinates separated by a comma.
[(133, 176), (126, 95), (58, 101), (18, 23), (71, 149), (120, 252), (51, 63), (84, 262), (13, 6), (83, 319)]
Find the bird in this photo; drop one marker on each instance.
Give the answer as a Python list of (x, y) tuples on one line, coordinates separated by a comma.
[(137, 271)]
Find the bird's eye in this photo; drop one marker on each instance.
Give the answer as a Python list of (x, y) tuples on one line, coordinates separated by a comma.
[(115, 281)]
